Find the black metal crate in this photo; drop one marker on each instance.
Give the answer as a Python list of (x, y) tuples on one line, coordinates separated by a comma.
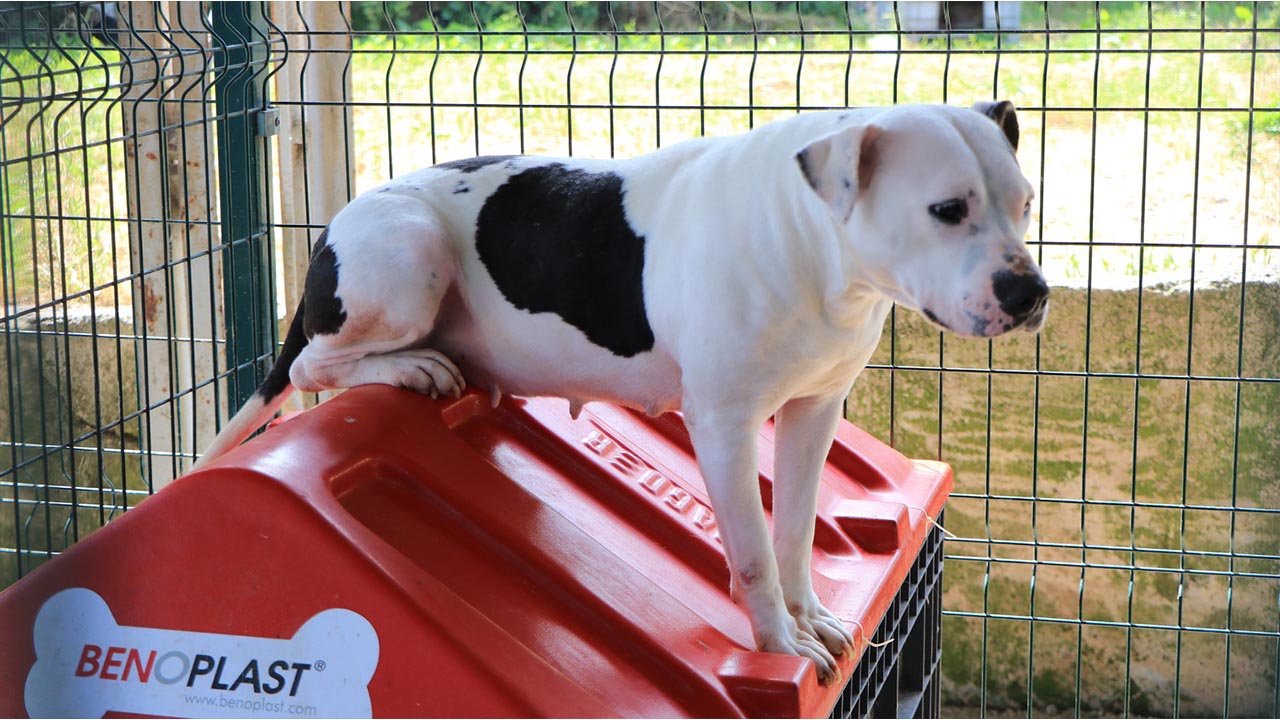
[(900, 679)]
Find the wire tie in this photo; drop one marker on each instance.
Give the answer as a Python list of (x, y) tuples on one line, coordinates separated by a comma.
[(945, 532), (866, 639)]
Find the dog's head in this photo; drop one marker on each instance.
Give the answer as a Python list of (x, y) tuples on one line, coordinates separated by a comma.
[(933, 209)]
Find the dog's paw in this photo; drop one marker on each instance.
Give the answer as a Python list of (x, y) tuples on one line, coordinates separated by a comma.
[(791, 640), (821, 623), (430, 373)]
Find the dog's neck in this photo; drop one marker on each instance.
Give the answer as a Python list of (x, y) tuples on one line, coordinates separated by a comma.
[(849, 300), (857, 305)]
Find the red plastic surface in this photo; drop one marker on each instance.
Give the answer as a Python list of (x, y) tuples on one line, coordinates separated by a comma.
[(513, 561)]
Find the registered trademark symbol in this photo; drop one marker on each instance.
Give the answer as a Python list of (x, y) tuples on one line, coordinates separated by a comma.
[(320, 665)]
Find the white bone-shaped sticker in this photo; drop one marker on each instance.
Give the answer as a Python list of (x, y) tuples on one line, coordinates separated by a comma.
[(87, 665)]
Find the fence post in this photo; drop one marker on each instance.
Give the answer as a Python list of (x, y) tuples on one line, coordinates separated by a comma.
[(241, 40), (199, 280), (145, 176), (317, 158)]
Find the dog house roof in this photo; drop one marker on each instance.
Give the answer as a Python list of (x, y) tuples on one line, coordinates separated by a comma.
[(509, 561)]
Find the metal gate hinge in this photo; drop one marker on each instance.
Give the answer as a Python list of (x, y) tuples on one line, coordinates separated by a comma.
[(268, 122)]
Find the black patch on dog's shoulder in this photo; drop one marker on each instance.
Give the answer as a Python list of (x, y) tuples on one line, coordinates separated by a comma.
[(470, 165), (325, 313), (557, 240)]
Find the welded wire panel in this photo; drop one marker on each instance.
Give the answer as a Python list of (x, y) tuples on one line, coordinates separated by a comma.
[(1106, 473), (1117, 476), (111, 267)]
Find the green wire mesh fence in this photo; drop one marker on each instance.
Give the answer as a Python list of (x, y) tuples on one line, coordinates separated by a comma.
[(166, 166)]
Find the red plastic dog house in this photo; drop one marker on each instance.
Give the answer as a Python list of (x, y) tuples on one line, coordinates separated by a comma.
[(393, 555)]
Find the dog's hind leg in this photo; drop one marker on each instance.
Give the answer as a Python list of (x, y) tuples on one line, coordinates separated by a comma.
[(373, 296), (377, 279), (422, 369)]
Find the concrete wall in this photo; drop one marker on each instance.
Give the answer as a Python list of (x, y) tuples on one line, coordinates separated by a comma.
[(57, 393)]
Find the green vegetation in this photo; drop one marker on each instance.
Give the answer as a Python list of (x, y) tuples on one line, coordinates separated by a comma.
[(61, 182)]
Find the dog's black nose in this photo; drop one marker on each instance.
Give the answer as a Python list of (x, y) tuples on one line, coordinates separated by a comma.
[(1019, 295)]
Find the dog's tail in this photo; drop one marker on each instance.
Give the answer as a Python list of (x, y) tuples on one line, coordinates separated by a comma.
[(268, 398)]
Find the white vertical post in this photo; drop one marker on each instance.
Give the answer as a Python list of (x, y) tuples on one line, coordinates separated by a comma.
[(326, 85), (169, 180), (293, 191), (197, 284), (144, 181), (317, 154)]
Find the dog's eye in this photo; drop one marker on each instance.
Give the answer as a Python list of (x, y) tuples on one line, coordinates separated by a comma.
[(950, 212), (1027, 210)]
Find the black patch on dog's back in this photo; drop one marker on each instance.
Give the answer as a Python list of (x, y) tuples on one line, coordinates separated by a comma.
[(470, 165), (325, 313), (557, 240)]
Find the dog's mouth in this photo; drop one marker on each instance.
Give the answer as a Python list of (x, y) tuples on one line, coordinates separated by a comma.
[(1034, 322), (984, 326), (933, 318)]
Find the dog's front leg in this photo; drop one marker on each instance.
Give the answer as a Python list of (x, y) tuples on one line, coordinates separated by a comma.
[(805, 428), (725, 443)]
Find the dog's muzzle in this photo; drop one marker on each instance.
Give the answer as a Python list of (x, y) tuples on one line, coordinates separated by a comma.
[(1023, 297)]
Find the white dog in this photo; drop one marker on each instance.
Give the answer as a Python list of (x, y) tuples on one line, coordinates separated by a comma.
[(733, 279)]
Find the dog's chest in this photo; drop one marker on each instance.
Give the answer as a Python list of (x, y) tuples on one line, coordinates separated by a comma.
[(825, 359)]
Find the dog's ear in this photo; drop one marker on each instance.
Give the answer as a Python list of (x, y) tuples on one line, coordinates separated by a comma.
[(841, 165), (1004, 115)]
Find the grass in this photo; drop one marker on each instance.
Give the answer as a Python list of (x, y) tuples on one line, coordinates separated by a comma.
[(62, 185)]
